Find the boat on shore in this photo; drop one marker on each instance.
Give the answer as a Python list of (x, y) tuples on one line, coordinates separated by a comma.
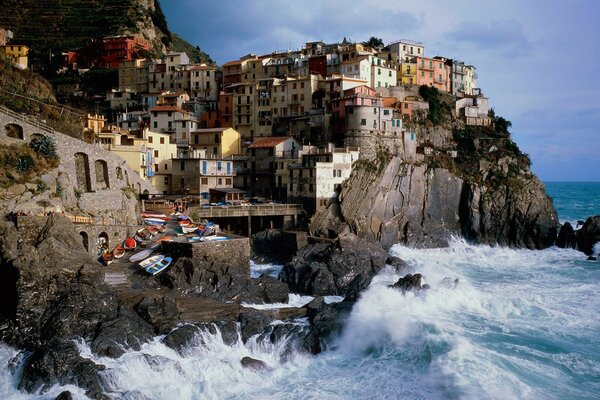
[(108, 258), (151, 260), (156, 244), (139, 256), (155, 221), (119, 251), (147, 214), (188, 228), (130, 243), (159, 266)]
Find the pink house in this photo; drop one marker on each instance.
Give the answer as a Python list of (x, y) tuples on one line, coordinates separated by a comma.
[(425, 71)]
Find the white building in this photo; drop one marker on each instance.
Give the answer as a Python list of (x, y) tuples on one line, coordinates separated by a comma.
[(404, 49)]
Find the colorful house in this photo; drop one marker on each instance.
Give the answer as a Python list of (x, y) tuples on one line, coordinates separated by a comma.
[(17, 53)]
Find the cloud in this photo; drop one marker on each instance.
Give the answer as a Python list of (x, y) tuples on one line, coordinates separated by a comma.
[(506, 37)]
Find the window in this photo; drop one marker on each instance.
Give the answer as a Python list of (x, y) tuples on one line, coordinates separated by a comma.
[(183, 124), (390, 74), (378, 71), (214, 150), (218, 165), (405, 105), (166, 167), (204, 181), (150, 138), (301, 85), (423, 74), (310, 188), (386, 112), (155, 125), (166, 180), (162, 140), (375, 110), (350, 110), (216, 138), (169, 113), (363, 122), (155, 153), (155, 167), (182, 165), (228, 181), (220, 181)]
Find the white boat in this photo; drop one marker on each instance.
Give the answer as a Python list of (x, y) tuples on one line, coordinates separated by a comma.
[(154, 221), (188, 228), (214, 238), (151, 260), (159, 266), (141, 255)]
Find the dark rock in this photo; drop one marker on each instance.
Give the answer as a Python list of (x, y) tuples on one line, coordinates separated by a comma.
[(60, 362), (326, 321), (254, 364), (190, 335), (266, 289), (589, 235), (396, 262), (161, 312), (66, 395), (181, 338), (567, 237), (128, 331), (253, 323), (408, 282), (591, 258), (342, 268), (274, 246)]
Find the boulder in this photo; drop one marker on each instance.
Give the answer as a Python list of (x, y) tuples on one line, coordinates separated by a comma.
[(408, 282), (589, 235), (255, 365), (252, 323), (266, 289), (341, 268), (567, 237), (190, 335), (396, 263), (66, 395), (161, 312)]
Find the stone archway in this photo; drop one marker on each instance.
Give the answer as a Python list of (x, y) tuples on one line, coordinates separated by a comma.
[(103, 244), (14, 131), (101, 169), (82, 170), (85, 240)]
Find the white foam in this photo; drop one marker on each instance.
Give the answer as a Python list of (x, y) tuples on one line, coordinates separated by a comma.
[(295, 300), (257, 270)]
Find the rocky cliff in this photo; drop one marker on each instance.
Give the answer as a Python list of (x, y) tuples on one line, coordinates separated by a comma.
[(487, 194)]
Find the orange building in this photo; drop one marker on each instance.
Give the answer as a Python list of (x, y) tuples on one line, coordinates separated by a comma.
[(442, 72), (108, 52), (425, 70)]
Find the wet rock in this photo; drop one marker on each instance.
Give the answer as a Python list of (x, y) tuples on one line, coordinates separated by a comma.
[(266, 289), (341, 268), (254, 364), (591, 258), (162, 313), (253, 323), (128, 331), (567, 237), (589, 235), (192, 335), (396, 262), (409, 282), (66, 395), (326, 321)]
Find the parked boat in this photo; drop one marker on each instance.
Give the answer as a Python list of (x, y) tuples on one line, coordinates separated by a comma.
[(154, 221), (188, 228), (151, 260), (138, 238), (214, 238), (147, 214), (144, 234), (152, 229), (130, 243), (159, 266), (161, 228), (119, 251), (108, 258), (195, 239), (156, 243), (139, 256)]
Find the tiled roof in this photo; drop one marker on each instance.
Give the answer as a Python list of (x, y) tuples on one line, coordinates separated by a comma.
[(168, 108), (210, 130), (268, 142), (232, 63)]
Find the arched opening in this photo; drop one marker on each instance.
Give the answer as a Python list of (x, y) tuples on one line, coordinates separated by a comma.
[(101, 174), (103, 243), (82, 170), (146, 191), (14, 131), (119, 173), (85, 240)]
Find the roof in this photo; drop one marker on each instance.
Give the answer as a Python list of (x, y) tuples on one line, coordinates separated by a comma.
[(210, 130), (167, 108), (268, 142), (232, 63), (171, 94), (227, 190)]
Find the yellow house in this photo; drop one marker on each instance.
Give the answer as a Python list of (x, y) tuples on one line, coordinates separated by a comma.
[(17, 53), (218, 142), (94, 123), (407, 73)]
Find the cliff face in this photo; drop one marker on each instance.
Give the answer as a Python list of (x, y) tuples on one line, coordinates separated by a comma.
[(485, 196)]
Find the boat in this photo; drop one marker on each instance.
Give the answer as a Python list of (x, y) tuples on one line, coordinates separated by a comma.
[(188, 228), (119, 251), (108, 258), (161, 228), (194, 239), (130, 243), (156, 243), (159, 266), (138, 238), (141, 255), (214, 238), (154, 221), (144, 234), (151, 260), (152, 229), (147, 214)]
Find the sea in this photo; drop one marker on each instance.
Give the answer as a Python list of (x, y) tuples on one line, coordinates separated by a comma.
[(497, 323)]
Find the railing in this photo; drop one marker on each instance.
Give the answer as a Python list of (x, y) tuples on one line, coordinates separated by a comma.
[(26, 119)]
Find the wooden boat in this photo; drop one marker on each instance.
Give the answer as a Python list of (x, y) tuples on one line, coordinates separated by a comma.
[(119, 251), (161, 228), (152, 229), (214, 238), (159, 266), (144, 234), (151, 260), (195, 239), (130, 243), (139, 256), (188, 228), (185, 223), (108, 258), (138, 238), (147, 214), (154, 221), (156, 243)]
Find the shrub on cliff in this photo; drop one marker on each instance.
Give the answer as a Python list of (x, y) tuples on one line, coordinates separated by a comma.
[(44, 146)]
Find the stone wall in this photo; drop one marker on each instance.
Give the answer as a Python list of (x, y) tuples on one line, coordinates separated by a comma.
[(90, 178)]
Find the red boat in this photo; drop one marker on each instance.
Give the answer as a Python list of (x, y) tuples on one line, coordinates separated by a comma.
[(119, 251), (130, 244)]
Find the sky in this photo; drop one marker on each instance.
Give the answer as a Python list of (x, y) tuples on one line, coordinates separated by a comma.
[(537, 60)]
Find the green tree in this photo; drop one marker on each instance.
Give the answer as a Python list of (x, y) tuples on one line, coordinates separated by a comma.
[(374, 42)]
